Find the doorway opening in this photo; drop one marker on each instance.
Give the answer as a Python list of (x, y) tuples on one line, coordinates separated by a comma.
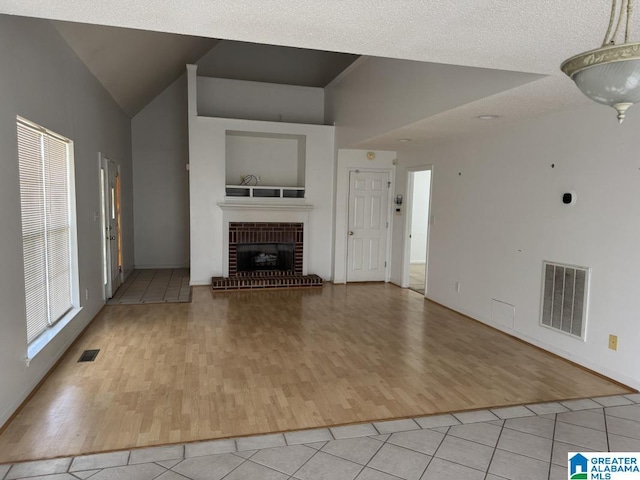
[(112, 239), (417, 233)]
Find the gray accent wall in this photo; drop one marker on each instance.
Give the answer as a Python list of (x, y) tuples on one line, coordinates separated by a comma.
[(41, 79), (160, 152)]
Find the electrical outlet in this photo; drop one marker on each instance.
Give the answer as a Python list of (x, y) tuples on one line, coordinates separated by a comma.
[(613, 342), (458, 287)]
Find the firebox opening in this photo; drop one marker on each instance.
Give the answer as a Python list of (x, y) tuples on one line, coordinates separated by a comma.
[(254, 257)]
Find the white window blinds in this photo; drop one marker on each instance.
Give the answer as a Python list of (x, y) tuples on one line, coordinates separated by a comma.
[(45, 196)]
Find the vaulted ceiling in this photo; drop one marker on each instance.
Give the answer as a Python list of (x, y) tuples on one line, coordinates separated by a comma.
[(534, 36), (135, 66)]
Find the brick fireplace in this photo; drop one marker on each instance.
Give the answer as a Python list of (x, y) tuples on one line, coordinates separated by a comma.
[(269, 239), (263, 233)]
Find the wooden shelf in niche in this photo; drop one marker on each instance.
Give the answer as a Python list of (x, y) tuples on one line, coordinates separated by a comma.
[(264, 191)]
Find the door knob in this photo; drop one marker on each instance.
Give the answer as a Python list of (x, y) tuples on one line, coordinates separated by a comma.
[(350, 232)]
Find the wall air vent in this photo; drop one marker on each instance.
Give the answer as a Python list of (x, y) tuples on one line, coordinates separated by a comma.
[(565, 295)]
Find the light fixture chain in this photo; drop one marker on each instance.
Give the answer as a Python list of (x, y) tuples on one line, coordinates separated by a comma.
[(607, 37), (629, 13), (623, 9)]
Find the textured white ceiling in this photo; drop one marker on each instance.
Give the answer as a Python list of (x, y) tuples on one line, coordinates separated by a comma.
[(529, 36), (533, 36)]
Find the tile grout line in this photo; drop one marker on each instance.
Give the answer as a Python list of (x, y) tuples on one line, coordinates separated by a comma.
[(148, 285), (605, 416), (619, 435), (366, 465), (342, 458), (125, 284), (434, 453), (308, 460), (422, 453), (244, 460), (606, 429), (553, 442), (274, 468), (446, 434), (161, 473), (520, 454), (164, 295), (486, 474), (379, 471)]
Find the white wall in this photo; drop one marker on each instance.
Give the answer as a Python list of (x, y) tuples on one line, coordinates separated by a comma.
[(160, 152), (274, 160), (351, 160), (207, 189), (382, 94), (498, 214), (43, 81), (219, 97), (420, 216)]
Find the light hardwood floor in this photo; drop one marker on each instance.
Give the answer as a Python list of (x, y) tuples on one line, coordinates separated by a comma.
[(240, 363)]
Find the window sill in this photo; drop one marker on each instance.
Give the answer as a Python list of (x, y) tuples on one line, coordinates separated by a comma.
[(36, 346)]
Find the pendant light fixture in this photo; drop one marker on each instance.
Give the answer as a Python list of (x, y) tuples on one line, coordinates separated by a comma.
[(610, 75)]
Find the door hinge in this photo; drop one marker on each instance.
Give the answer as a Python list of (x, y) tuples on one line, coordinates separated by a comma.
[(388, 184), (387, 224), (385, 264)]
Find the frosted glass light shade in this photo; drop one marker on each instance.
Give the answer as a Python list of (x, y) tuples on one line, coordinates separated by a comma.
[(608, 75)]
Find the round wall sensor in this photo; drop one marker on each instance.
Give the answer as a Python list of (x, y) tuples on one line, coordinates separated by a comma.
[(371, 155), (569, 198)]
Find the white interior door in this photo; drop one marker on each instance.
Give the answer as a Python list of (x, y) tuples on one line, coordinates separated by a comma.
[(368, 224), (111, 224)]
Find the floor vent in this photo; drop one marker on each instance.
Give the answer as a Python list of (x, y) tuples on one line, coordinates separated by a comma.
[(88, 356), (565, 292)]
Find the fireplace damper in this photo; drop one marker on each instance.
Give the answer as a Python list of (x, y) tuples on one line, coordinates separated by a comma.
[(254, 257)]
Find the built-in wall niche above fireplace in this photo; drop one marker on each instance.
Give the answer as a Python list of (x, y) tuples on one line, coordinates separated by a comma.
[(265, 165)]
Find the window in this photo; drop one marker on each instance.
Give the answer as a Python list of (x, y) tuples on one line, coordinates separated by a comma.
[(48, 226)]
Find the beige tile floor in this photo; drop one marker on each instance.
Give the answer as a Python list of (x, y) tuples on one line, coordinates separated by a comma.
[(169, 285), (522, 442), (417, 277)]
